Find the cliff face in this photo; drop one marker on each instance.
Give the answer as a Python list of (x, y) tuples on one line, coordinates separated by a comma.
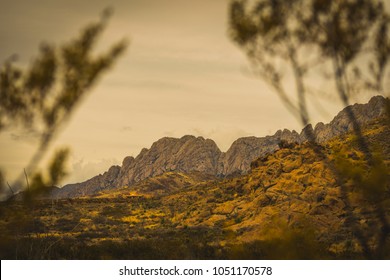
[(341, 124), (244, 150), (186, 154), (94, 185), (196, 154)]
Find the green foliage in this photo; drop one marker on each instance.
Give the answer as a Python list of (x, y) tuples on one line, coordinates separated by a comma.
[(351, 37), (270, 33), (2, 183), (42, 97), (334, 33), (57, 167), (371, 181), (341, 28), (49, 89), (382, 54)]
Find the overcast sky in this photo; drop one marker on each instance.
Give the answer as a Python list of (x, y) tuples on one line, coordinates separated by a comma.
[(180, 75)]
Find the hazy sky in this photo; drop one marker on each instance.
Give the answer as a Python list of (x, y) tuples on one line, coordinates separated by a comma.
[(180, 75)]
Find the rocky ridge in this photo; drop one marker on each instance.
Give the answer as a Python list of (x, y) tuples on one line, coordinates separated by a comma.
[(196, 154)]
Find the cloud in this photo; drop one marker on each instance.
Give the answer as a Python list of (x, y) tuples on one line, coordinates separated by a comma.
[(222, 136), (81, 170), (169, 133), (160, 85), (126, 129)]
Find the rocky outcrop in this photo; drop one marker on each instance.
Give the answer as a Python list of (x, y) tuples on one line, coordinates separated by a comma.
[(186, 154), (238, 158), (243, 151), (341, 124), (196, 154), (94, 185)]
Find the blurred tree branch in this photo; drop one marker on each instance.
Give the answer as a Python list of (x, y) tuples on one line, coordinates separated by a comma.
[(43, 96), (349, 37)]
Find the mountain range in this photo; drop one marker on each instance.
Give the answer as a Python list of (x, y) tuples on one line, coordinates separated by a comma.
[(191, 154), (185, 199)]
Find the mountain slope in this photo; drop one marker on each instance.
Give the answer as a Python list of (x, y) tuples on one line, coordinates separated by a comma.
[(289, 205), (196, 154)]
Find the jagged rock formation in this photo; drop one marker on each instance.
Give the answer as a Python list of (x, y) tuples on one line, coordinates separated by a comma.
[(186, 154), (243, 151), (341, 124), (91, 186), (196, 154)]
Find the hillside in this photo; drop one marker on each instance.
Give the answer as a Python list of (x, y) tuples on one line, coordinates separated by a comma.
[(289, 205)]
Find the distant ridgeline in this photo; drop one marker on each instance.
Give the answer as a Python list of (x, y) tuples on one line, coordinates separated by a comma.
[(195, 154)]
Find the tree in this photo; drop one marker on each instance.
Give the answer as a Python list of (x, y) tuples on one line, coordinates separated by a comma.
[(349, 39), (297, 38), (43, 96)]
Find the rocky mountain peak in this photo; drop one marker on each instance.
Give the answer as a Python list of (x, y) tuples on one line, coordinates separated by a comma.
[(127, 161), (185, 154), (342, 124), (290, 136), (197, 154)]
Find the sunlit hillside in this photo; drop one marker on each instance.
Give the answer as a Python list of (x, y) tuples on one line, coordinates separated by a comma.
[(289, 206)]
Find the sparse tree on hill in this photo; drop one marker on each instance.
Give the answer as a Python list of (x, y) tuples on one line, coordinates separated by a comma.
[(349, 41), (43, 96)]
